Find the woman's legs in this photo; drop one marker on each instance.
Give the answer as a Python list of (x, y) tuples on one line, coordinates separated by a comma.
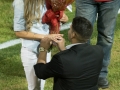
[(48, 60), (29, 59)]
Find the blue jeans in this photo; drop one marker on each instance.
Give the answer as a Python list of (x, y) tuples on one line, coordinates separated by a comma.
[(107, 13)]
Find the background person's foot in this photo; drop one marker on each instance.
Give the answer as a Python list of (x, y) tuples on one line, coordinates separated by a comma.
[(103, 83)]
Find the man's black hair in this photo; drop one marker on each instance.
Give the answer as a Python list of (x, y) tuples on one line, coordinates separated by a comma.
[(82, 26)]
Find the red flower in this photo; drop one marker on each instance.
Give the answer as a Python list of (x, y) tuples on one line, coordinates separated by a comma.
[(54, 13)]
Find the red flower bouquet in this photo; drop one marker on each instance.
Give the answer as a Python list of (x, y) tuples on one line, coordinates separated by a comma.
[(54, 13)]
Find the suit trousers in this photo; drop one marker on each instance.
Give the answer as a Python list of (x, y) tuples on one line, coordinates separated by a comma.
[(29, 59)]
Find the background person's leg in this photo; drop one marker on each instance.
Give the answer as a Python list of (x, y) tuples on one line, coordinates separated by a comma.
[(86, 9), (107, 14)]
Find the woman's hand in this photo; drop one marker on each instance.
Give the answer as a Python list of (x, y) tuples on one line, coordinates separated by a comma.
[(64, 19), (48, 41), (52, 36)]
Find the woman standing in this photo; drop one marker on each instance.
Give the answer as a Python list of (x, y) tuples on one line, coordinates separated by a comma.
[(28, 27)]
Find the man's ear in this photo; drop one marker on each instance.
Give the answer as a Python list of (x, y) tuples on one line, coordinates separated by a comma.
[(73, 34)]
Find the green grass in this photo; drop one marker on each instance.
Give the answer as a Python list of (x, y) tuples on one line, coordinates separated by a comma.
[(12, 75), (6, 21)]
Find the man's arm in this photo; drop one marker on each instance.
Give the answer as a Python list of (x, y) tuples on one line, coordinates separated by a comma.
[(52, 69), (42, 57), (43, 49), (45, 70)]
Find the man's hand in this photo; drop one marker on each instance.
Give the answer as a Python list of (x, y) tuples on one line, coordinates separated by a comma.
[(46, 43), (60, 41)]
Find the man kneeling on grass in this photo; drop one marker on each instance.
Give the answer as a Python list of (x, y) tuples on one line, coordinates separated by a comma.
[(75, 67)]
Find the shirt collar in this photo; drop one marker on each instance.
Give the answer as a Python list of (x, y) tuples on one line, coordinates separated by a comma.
[(69, 46)]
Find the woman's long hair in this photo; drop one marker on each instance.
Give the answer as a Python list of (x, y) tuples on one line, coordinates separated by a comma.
[(32, 11)]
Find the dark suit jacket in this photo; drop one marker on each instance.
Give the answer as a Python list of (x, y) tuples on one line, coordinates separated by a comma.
[(76, 68)]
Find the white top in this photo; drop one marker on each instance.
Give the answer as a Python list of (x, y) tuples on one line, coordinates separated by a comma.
[(19, 25)]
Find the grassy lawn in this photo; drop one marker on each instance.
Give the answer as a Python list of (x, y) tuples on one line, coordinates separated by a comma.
[(6, 21), (12, 75)]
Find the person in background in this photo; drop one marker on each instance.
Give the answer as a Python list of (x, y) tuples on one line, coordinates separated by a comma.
[(75, 67), (106, 12), (28, 27)]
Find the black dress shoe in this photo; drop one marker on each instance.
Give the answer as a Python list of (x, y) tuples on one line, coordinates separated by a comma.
[(103, 83)]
